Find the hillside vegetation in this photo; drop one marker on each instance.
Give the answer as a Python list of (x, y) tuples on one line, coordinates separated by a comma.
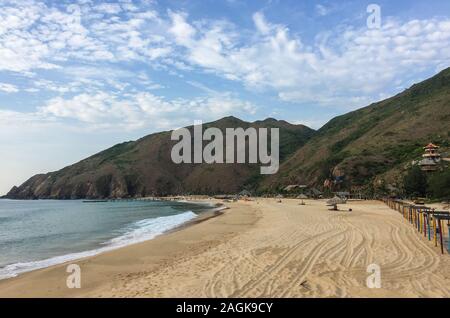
[(144, 167), (373, 145)]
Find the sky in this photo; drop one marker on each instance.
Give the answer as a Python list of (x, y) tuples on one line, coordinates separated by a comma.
[(77, 77)]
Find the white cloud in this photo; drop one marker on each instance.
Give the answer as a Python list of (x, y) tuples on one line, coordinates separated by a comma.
[(137, 110), (347, 68), (109, 8), (145, 80), (8, 88), (34, 35), (180, 29), (10, 119), (261, 24), (206, 44), (322, 10)]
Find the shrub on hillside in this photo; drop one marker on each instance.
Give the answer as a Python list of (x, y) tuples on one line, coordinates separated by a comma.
[(415, 182), (439, 184)]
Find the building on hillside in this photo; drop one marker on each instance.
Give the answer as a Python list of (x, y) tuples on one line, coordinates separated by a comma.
[(293, 187), (343, 194), (314, 193), (245, 193), (431, 158)]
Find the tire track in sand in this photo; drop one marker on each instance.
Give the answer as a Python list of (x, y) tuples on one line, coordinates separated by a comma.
[(271, 273)]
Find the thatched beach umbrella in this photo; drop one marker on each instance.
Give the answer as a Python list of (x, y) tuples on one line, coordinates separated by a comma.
[(279, 197), (334, 202), (302, 196)]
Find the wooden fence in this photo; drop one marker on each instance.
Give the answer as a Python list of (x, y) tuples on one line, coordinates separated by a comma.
[(428, 221)]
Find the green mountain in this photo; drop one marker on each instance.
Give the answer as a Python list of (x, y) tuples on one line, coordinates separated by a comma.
[(144, 167), (373, 146)]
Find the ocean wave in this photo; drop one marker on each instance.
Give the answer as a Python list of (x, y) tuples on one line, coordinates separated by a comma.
[(139, 231), (149, 228)]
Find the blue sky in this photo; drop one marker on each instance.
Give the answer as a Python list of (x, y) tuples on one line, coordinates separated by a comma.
[(77, 77)]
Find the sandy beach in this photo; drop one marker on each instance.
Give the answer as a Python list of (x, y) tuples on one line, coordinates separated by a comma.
[(261, 249)]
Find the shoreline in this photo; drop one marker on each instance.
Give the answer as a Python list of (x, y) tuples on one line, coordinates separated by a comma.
[(204, 216), (214, 209), (261, 248)]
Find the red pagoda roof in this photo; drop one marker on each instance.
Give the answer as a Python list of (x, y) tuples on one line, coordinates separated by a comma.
[(431, 146)]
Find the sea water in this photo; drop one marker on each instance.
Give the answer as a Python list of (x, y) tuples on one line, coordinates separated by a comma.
[(40, 233)]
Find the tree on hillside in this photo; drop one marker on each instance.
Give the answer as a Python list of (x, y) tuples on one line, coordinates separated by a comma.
[(415, 182), (439, 184)]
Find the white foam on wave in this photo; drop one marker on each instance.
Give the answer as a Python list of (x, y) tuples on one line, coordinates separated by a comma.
[(140, 231), (149, 228)]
